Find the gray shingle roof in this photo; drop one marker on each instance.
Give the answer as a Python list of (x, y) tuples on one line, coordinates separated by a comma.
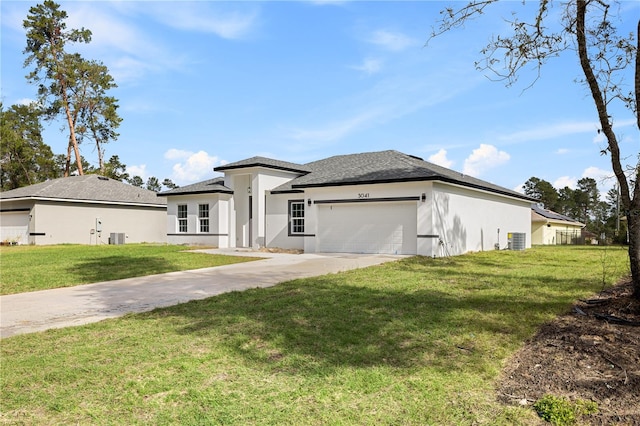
[(211, 186), (86, 188), (551, 215), (384, 167), (264, 162)]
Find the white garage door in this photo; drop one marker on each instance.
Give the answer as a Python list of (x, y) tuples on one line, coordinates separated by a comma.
[(14, 226), (387, 227)]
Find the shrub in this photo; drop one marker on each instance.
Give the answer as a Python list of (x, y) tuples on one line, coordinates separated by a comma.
[(560, 411)]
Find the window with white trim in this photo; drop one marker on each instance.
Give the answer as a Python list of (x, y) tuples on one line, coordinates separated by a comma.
[(296, 217), (182, 218), (203, 217)]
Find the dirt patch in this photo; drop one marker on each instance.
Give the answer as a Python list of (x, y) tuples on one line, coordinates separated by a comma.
[(585, 354)]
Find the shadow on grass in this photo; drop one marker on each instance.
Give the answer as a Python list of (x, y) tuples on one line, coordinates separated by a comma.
[(325, 322), (117, 267)]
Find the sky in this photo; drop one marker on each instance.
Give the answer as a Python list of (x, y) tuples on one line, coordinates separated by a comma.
[(202, 84)]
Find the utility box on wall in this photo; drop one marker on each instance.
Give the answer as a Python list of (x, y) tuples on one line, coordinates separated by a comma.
[(516, 240), (117, 238)]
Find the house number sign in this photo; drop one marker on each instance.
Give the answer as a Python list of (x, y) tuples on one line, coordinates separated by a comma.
[(363, 195)]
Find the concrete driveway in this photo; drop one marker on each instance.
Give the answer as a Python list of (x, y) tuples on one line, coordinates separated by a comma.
[(63, 307)]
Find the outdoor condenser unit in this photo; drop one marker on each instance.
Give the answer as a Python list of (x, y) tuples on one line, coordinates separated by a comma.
[(516, 240), (116, 238)]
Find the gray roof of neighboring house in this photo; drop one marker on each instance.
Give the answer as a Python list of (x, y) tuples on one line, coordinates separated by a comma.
[(264, 162), (86, 188), (383, 167), (211, 186), (551, 215)]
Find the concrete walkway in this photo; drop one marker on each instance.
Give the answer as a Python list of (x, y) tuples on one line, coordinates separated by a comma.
[(63, 307)]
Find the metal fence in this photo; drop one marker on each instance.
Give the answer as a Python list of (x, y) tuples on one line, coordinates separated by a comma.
[(569, 238)]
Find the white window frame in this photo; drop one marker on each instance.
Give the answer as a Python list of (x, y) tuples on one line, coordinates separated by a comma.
[(203, 225), (296, 217), (181, 216)]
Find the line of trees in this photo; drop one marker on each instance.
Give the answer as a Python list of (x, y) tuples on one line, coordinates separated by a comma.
[(583, 204), (68, 86), (25, 159)]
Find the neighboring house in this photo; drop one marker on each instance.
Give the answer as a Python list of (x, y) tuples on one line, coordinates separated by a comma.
[(549, 227), (376, 202), (82, 210)]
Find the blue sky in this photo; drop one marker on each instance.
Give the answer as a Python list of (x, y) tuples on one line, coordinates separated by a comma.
[(204, 83)]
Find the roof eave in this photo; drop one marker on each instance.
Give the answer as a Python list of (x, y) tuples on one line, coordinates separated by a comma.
[(266, 166), (215, 191), (418, 179), (70, 200)]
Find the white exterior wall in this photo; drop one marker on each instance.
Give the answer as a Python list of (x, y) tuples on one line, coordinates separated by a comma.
[(66, 222), (366, 195), (218, 235), (451, 220), (254, 182), (277, 222), (361, 195), (469, 220)]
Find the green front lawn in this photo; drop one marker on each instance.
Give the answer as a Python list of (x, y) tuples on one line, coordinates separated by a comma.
[(31, 268), (415, 342)]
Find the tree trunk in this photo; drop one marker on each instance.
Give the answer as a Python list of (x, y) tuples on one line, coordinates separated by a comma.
[(633, 213), (633, 223), (630, 203), (67, 165), (73, 142)]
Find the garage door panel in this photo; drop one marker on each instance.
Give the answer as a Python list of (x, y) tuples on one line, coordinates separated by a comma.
[(14, 227), (368, 228)]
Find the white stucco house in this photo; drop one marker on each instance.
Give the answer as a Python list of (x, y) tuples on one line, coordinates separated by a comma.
[(375, 202), (82, 210), (549, 227)]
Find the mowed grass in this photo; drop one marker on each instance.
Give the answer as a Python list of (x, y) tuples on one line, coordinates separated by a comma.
[(31, 268), (416, 342)]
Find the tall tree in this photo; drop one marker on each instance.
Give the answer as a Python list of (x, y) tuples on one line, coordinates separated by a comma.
[(47, 36), (168, 183), (586, 197), (543, 191), (97, 117), (153, 184), (24, 158), (136, 181), (114, 169), (605, 57)]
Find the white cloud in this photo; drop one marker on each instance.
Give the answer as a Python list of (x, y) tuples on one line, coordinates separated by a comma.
[(191, 166), (129, 51), (483, 158), (26, 101), (200, 17), (440, 158), (604, 178), (562, 151), (563, 181), (389, 99), (597, 174), (140, 170), (551, 131), (336, 130), (393, 41), (369, 66)]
